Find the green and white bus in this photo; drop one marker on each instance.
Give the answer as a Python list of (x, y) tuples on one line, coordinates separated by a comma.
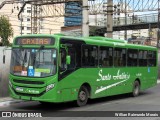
[(58, 68)]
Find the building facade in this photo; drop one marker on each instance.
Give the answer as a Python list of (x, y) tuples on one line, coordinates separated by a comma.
[(22, 26)]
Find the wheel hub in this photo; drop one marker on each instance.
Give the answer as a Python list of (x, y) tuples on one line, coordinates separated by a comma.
[(136, 89), (82, 95)]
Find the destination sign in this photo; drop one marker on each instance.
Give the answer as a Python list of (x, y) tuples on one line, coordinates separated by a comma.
[(34, 41)]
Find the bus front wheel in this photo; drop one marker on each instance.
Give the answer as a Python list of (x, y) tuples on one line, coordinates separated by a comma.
[(136, 88), (82, 96)]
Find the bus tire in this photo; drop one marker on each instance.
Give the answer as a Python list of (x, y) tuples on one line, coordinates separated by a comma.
[(83, 95), (136, 89)]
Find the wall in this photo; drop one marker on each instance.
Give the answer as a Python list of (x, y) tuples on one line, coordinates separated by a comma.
[(4, 72)]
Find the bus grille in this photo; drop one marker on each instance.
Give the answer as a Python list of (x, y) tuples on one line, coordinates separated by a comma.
[(30, 95), (29, 82)]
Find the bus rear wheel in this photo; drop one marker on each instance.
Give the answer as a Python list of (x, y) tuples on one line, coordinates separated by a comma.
[(136, 89), (82, 96)]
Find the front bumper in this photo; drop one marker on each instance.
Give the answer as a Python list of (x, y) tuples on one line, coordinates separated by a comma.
[(34, 89), (50, 96)]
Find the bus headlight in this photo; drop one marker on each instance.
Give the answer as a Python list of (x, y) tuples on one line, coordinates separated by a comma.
[(49, 87)]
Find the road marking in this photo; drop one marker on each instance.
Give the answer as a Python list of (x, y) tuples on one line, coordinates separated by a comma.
[(158, 81)]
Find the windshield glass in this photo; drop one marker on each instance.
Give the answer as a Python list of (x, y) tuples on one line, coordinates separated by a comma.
[(33, 62)]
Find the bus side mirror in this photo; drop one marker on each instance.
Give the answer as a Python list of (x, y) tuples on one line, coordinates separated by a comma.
[(68, 59), (4, 59)]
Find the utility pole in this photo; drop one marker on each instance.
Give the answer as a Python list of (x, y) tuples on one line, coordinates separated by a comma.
[(125, 10), (85, 23), (21, 22), (110, 18), (158, 34), (21, 19), (149, 31), (34, 21), (35, 17), (158, 26)]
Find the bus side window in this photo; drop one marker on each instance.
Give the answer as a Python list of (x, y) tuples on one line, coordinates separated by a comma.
[(142, 58), (119, 57), (63, 65), (89, 55), (105, 56), (132, 57), (72, 53), (151, 58)]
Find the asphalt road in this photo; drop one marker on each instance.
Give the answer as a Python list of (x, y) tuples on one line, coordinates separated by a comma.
[(148, 100)]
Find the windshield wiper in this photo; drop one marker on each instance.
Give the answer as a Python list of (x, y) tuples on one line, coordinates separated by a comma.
[(41, 48), (24, 59)]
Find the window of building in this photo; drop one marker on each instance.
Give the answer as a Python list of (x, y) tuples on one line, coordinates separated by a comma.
[(119, 57), (28, 7), (41, 27), (132, 59), (142, 58), (28, 19), (28, 11), (105, 56), (89, 55), (23, 10), (22, 27), (41, 19), (151, 58), (28, 28)]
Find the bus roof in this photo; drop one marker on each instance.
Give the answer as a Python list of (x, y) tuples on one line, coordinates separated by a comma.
[(107, 41), (94, 40)]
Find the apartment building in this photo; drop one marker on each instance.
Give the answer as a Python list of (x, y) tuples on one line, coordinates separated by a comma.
[(22, 26)]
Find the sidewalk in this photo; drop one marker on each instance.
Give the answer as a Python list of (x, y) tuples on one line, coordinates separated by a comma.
[(3, 99), (8, 100), (158, 81)]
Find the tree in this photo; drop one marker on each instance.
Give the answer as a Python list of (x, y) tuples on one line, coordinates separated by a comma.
[(6, 31)]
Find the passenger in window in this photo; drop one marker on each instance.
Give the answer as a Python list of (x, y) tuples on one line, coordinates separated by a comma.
[(105, 62), (124, 60), (63, 61), (115, 61), (110, 61), (85, 58), (92, 61)]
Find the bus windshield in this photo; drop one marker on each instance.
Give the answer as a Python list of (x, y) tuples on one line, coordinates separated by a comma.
[(33, 62)]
